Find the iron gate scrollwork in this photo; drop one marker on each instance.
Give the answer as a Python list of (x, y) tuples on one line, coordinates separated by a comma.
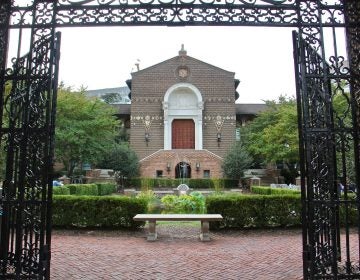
[(328, 91), (28, 138), (327, 141)]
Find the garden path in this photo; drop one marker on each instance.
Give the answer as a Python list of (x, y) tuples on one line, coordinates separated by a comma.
[(249, 254)]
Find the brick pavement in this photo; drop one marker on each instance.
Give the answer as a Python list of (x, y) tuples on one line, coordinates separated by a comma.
[(271, 254)]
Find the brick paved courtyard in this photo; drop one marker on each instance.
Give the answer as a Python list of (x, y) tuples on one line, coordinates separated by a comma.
[(271, 254)]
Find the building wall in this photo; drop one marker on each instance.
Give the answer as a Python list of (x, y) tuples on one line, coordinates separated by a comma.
[(150, 85), (166, 162)]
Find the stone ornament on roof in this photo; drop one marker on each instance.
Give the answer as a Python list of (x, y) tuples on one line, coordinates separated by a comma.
[(182, 52)]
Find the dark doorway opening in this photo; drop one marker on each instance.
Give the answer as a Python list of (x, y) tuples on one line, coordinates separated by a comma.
[(182, 170)]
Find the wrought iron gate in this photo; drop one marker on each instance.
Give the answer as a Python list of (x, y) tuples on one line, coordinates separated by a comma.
[(28, 135), (329, 194), (329, 115)]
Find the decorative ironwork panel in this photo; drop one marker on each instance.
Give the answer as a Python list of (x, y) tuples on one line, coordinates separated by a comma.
[(352, 12), (27, 133), (326, 137), (4, 30), (317, 159), (179, 12)]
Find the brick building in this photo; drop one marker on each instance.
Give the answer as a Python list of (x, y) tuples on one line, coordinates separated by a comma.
[(183, 117)]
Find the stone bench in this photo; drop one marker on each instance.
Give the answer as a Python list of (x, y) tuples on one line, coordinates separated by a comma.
[(203, 218)]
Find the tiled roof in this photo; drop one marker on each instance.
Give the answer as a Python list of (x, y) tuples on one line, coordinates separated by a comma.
[(99, 92), (249, 109)]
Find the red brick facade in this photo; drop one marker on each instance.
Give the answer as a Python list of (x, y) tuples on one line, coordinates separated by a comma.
[(200, 163), (210, 100)]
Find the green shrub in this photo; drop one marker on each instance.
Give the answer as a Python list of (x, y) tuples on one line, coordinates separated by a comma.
[(97, 211), (83, 189), (133, 183), (219, 185), (230, 183), (349, 214), (150, 183), (198, 200), (152, 201), (272, 191), (194, 202), (201, 183), (241, 211), (169, 201), (147, 196), (106, 188), (61, 190), (260, 190), (147, 184)]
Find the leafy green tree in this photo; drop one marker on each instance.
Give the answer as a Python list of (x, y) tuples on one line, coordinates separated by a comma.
[(236, 161), (85, 128), (5, 123), (121, 158), (273, 135), (112, 98), (343, 118)]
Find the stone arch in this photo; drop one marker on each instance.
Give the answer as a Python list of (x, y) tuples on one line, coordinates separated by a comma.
[(183, 170), (183, 101)]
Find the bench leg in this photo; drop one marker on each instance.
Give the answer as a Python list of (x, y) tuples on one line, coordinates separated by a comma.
[(205, 233), (152, 235)]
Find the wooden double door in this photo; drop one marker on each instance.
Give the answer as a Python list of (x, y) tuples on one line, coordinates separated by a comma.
[(183, 134)]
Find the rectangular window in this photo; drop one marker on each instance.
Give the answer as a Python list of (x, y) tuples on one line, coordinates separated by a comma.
[(159, 173), (206, 173), (237, 132)]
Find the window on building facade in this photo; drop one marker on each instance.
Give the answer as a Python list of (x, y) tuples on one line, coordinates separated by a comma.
[(206, 173), (237, 133), (159, 173)]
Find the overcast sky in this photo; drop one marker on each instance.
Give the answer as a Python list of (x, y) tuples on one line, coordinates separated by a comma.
[(104, 57), (262, 58)]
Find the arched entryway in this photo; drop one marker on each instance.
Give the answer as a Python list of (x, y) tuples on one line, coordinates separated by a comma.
[(183, 107), (183, 170)]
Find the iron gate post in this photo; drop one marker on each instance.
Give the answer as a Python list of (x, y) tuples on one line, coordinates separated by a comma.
[(352, 23), (4, 41)]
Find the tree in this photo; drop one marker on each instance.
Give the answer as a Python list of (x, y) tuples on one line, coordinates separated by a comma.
[(341, 101), (236, 161), (121, 158), (85, 128), (5, 123), (273, 135), (111, 98)]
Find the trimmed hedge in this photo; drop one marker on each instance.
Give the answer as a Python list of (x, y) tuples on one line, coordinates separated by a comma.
[(83, 189), (61, 190), (259, 211), (243, 211), (272, 191), (150, 183), (106, 188), (98, 189), (96, 211)]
